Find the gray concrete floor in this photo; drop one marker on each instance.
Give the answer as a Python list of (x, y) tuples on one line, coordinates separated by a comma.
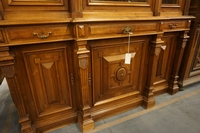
[(8, 112), (179, 113)]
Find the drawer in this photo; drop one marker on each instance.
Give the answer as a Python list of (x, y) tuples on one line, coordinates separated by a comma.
[(175, 25), (37, 34), (113, 29)]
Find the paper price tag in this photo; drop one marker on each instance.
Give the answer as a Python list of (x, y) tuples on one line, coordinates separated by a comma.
[(127, 58)]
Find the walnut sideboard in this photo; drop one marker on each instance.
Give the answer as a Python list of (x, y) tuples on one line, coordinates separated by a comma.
[(64, 60)]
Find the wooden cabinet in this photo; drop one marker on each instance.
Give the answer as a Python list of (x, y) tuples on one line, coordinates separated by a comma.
[(64, 60), (190, 72)]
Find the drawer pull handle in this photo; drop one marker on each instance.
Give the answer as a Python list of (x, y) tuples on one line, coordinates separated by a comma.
[(42, 36), (127, 30), (173, 26)]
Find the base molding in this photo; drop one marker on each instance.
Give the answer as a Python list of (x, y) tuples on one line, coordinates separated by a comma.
[(189, 81), (107, 110)]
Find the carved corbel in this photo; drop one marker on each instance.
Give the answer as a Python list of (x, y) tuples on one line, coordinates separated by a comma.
[(160, 27), (8, 70), (84, 117), (155, 48), (181, 44), (6, 62)]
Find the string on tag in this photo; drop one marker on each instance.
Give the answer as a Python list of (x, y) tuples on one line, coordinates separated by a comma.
[(129, 38), (128, 55)]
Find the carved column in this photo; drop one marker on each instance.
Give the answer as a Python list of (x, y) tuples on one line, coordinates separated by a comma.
[(155, 48), (1, 11), (180, 47), (76, 8), (8, 70), (84, 117), (157, 5)]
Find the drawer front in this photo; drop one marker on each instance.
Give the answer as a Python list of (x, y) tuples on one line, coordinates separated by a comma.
[(110, 30), (175, 25), (37, 34)]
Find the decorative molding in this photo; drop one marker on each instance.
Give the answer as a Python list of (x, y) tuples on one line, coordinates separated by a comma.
[(83, 62)]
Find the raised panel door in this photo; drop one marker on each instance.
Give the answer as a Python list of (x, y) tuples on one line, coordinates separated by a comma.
[(44, 74), (165, 60), (112, 78), (49, 77)]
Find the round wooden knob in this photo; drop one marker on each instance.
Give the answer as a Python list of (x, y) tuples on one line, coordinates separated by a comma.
[(120, 73)]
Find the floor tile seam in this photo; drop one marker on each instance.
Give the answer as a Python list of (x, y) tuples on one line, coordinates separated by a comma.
[(137, 114), (9, 118)]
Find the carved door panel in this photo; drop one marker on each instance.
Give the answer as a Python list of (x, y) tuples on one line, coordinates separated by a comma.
[(112, 78), (165, 62), (48, 70)]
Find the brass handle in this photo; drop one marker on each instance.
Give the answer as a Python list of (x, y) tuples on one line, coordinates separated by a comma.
[(127, 30), (42, 36), (173, 26)]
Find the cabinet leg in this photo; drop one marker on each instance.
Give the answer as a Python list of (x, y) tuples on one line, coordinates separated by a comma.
[(85, 121), (149, 101), (17, 99), (84, 117), (155, 48), (7, 67), (173, 82), (173, 85), (26, 125)]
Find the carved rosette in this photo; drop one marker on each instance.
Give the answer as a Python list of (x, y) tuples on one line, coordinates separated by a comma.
[(120, 74)]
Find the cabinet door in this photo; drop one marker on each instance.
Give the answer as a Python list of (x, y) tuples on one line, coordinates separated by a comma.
[(165, 63), (112, 78), (44, 73)]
